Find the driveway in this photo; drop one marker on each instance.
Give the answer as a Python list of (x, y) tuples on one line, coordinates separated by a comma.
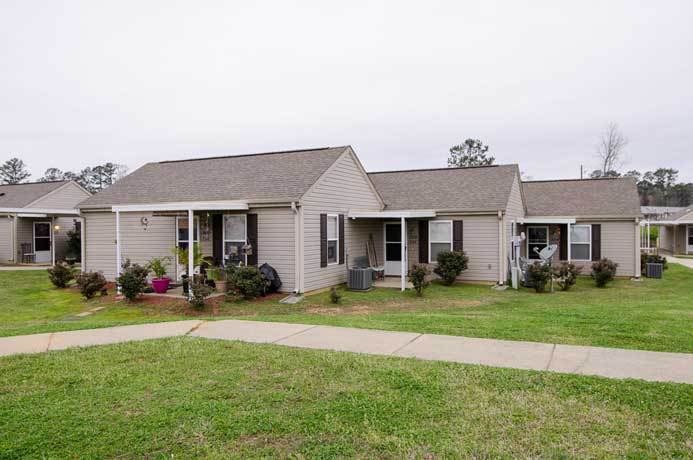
[(677, 260)]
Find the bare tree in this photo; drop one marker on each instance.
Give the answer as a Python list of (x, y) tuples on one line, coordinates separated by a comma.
[(610, 150)]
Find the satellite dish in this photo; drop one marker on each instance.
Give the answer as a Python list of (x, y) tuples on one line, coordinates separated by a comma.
[(547, 253)]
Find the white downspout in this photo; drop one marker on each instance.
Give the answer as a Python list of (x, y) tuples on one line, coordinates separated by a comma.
[(52, 240), (501, 249), (403, 276), (191, 251), (83, 245), (117, 272), (570, 253), (298, 241), (13, 240)]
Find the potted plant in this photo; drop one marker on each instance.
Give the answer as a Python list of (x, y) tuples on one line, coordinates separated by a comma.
[(181, 255), (218, 275), (160, 281)]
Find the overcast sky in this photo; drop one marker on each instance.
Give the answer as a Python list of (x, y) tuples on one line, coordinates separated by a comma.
[(84, 82)]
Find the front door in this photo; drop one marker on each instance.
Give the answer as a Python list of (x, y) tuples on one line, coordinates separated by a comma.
[(42, 241), (690, 239), (393, 249)]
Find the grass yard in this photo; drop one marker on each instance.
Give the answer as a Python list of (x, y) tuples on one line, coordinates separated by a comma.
[(188, 397), (650, 315)]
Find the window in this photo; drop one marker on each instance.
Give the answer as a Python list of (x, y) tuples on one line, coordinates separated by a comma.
[(581, 242), (42, 236), (182, 233), (332, 239), (537, 239), (439, 238), (234, 238), (690, 235)]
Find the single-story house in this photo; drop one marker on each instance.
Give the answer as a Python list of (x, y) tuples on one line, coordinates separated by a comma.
[(35, 218), (676, 232), (311, 213)]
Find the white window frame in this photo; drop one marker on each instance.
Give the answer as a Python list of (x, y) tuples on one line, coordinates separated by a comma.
[(196, 223), (573, 242), (430, 240), (548, 240), (49, 237), (224, 240), (336, 216)]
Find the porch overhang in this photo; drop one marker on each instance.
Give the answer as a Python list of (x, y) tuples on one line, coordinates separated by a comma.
[(671, 222), (547, 220), (404, 214), (184, 206), (40, 212)]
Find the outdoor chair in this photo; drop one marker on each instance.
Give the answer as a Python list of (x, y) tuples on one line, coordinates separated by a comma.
[(28, 255)]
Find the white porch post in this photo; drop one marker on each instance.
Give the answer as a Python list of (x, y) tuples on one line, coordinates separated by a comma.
[(191, 251), (403, 277), (569, 252), (117, 235), (83, 245), (52, 240)]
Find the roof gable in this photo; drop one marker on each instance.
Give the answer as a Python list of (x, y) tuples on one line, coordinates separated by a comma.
[(22, 195), (274, 176), (614, 197), (475, 189)]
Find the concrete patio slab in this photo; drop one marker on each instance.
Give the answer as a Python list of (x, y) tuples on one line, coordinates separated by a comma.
[(89, 337), (20, 344), (622, 364), (350, 339), (490, 352), (248, 331)]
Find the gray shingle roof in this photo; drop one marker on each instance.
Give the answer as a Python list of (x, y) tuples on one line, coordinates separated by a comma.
[(484, 188), (683, 213), (20, 195), (281, 176), (582, 197)]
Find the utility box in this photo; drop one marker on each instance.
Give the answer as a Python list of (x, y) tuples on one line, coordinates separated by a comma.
[(655, 270)]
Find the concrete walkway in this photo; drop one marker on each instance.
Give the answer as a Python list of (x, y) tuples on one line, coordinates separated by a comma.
[(678, 260), (605, 362)]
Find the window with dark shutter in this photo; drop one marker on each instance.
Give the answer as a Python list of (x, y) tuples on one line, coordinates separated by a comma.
[(596, 241), (341, 238), (252, 239), (323, 240), (423, 241), (457, 235)]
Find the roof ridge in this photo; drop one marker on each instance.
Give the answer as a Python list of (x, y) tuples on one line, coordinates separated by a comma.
[(37, 182), (277, 152), (441, 169)]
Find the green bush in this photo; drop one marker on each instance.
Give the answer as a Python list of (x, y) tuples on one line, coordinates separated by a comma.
[(335, 296), (90, 283), (133, 279), (417, 276), (603, 271), (451, 264), (200, 291), (61, 274), (539, 275), (566, 275), (74, 245), (247, 281)]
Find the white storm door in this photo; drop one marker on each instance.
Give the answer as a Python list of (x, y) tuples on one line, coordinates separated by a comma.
[(393, 249), (42, 242)]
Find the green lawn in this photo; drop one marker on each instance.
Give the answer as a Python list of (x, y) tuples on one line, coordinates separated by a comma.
[(650, 315), (188, 397)]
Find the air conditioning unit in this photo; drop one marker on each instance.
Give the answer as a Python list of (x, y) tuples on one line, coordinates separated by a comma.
[(655, 270), (360, 279)]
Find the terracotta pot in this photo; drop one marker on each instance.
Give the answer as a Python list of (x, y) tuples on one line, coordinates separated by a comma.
[(160, 285), (221, 286)]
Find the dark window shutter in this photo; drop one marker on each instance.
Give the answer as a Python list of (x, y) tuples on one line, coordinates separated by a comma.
[(323, 240), (563, 248), (218, 238), (423, 241), (341, 238), (457, 235), (596, 241), (252, 238)]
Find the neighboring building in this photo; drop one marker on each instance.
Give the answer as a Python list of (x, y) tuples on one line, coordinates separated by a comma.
[(35, 218), (653, 213), (676, 232), (311, 213)]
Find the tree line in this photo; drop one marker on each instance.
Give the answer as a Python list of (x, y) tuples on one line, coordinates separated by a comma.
[(660, 187), (92, 178)]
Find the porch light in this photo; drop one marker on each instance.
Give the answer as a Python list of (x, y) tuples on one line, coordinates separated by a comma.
[(56, 228)]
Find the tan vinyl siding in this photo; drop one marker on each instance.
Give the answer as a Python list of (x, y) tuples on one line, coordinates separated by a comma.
[(680, 246), (140, 244), (618, 244), (99, 236), (66, 197), (5, 238), (666, 238), (514, 211), (275, 228), (343, 187), (66, 224)]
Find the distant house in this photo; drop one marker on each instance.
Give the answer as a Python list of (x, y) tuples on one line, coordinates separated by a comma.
[(653, 213), (676, 232), (311, 214), (35, 218)]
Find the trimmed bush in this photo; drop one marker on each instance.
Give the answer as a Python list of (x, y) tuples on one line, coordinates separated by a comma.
[(61, 274), (91, 283), (539, 275), (451, 264), (565, 275), (247, 281), (603, 271), (335, 296), (417, 276), (133, 279), (200, 291)]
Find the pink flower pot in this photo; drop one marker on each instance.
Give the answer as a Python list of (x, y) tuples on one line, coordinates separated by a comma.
[(160, 285)]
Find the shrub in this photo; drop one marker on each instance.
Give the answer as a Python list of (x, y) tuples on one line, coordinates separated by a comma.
[(246, 281), (200, 291), (90, 283), (335, 296), (74, 244), (450, 265), (158, 266), (566, 275), (538, 275), (133, 279), (61, 274), (603, 271), (651, 259), (417, 276)]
